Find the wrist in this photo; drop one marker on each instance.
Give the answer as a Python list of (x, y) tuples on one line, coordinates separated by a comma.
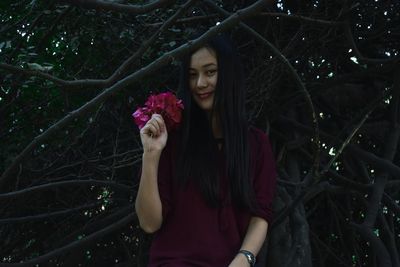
[(151, 155), (241, 260), (249, 256)]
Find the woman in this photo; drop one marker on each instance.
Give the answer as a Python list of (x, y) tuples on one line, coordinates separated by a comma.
[(207, 197)]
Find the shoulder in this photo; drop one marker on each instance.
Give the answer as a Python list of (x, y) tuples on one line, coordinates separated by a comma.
[(259, 142), (257, 135)]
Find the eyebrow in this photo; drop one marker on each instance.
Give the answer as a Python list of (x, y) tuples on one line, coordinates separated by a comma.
[(205, 66)]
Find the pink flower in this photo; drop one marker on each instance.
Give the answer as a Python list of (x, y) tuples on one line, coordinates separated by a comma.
[(165, 104), (141, 116)]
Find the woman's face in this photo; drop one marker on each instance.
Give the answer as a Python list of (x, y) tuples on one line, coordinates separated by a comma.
[(203, 74)]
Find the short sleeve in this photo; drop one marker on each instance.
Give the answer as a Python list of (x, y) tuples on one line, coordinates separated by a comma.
[(264, 175)]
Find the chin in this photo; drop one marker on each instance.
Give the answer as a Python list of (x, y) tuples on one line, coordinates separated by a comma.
[(204, 106)]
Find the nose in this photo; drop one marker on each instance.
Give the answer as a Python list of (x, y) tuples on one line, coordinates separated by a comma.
[(202, 81)]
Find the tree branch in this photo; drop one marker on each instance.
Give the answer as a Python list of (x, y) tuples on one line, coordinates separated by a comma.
[(264, 14), (41, 74), (84, 242), (42, 216), (123, 68), (375, 161), (391, 204), (116, 7), (163, 60), (102, 83), (381, 252), (389, 237), (302, 18), (43, 187)]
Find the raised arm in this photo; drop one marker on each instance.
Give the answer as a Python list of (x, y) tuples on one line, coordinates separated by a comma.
[(148, 203)]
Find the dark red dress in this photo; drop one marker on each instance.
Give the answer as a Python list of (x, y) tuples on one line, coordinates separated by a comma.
[(193, 234)]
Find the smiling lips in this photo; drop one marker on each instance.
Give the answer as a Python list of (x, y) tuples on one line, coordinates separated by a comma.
[(205, 95)]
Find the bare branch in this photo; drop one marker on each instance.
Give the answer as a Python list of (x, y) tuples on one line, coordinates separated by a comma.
[(389, 238), (152, 67), (42, 187), (118, 73), (302, 18), (116, 7), (369, 109), (84, 242), (393, 136), (186, 20), (381, 252), (265, 14), (375, 161), (41, 74), (42, 216), (123, 68), (391, 204)]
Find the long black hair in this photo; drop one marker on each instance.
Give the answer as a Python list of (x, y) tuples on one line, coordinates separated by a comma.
[(198, 147)]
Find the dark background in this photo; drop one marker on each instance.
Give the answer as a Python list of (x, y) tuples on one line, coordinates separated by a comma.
[(323, 81)]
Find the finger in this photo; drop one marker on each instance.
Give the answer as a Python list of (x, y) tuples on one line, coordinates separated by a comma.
[(150, 129), (158, 117), (160, 122), (156, 124)]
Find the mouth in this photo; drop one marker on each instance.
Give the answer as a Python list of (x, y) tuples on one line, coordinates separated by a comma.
[(205, 95)]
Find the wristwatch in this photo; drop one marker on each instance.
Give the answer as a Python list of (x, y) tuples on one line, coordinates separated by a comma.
[(249, 256)]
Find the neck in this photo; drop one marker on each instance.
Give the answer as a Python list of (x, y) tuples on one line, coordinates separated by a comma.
[(216, 127)]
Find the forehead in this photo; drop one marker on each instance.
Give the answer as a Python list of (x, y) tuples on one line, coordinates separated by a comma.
[(203, 57)]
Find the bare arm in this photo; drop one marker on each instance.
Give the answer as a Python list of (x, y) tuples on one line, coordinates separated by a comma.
[(253, 241), (148, 203)]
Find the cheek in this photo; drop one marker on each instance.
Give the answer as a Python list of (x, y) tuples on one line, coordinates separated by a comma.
[(214, 80), (191, 85)]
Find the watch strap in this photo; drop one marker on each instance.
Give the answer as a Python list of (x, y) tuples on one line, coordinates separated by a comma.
[(249, 256)]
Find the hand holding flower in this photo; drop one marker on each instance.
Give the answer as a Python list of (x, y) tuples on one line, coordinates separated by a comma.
[(154, 135), (161, 113), (165, 104)]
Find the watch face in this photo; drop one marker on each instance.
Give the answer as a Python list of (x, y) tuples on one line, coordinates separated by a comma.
[(251, 260)]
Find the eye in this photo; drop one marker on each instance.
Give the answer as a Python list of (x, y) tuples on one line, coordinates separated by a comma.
[(211, 72), (192, 74)]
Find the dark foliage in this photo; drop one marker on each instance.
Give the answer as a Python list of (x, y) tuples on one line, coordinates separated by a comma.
[(323, 80)]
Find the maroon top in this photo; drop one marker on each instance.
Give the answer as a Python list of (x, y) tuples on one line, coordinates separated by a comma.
[(192, 233)]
